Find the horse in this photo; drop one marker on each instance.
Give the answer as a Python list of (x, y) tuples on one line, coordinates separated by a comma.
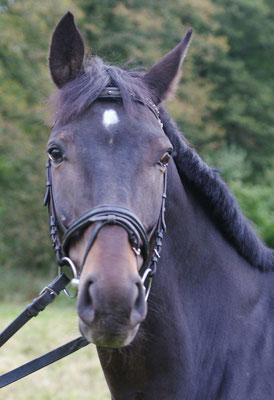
[(134, 201)]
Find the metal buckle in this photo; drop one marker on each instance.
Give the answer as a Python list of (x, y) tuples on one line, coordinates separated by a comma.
[(49, 289), (75, 280)]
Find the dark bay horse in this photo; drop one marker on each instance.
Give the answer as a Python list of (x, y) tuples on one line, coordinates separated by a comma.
[(206, 331)]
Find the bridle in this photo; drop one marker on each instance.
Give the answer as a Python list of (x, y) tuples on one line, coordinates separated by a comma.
[(103, 215), (61, 235)]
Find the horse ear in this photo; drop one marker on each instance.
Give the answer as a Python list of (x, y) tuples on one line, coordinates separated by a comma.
[(66, 51), (164, 75)]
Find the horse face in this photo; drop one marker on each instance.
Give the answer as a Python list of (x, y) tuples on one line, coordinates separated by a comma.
[(107, 157), (104, 153)]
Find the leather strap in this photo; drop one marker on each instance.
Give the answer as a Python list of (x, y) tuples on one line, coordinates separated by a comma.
[(46, 297), (43, 361), (114, 93), (111, 215)]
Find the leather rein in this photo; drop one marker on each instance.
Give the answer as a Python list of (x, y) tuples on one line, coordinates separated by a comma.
[(60, 235)]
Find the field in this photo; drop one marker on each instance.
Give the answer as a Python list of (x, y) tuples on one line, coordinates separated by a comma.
[(79, 376)]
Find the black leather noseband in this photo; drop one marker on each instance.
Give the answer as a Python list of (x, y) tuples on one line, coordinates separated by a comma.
[(110, 215)]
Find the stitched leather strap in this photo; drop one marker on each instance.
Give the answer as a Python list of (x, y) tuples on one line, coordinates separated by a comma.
[(46, 297), (38, 304), (43, 361), (111, 215)]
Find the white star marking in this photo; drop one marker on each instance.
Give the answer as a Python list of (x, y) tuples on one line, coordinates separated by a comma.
[(110, 117)]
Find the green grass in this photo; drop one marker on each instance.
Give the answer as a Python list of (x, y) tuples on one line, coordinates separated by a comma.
[(22, 285), (78, 376)]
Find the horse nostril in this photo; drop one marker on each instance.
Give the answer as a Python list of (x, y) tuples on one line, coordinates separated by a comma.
[(139, 308), (85, 304), (95, 303)]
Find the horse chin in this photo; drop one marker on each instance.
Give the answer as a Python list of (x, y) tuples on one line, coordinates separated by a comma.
[(108, 337)]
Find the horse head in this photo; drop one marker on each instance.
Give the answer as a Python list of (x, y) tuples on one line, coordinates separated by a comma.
[(108, 156)]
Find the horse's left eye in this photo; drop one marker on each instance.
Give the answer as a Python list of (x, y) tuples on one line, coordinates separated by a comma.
[(55, 155), (165, 158)]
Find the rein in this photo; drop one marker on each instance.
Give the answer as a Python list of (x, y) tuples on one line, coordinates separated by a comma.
[(60, 235), (46, 296)]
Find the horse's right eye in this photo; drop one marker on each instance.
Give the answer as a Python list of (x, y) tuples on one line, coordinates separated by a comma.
[(55, 155)]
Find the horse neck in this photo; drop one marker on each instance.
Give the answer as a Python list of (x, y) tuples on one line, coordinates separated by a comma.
[(198, 261), (202, 288)]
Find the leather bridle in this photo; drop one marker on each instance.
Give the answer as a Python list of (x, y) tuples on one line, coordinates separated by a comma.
[(103, 215)]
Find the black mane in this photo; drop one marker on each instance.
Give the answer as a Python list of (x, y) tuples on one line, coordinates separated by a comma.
[(221, 202), (76, 96)]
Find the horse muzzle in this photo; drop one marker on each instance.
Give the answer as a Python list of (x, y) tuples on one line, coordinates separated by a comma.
[(110, 316), (112, 299)]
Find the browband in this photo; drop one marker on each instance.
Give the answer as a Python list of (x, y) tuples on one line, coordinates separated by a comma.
[(115, 93)]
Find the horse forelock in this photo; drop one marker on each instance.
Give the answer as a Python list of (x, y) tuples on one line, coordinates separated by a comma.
[(80, 93)]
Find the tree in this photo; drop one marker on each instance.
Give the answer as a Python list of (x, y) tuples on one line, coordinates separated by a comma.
[(24, 85), (244, 80), (145, 30)]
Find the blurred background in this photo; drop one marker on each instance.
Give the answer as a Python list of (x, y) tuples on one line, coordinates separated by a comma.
[(224, 104)]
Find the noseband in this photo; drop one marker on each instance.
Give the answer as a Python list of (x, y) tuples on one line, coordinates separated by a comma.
[(103, 215)]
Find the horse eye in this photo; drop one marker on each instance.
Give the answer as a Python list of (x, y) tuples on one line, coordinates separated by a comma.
[(55, 155), (165, 158)]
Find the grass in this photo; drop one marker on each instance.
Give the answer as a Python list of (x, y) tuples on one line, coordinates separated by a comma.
[(78, 376)]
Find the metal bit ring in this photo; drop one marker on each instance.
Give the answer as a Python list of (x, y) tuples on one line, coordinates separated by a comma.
[(75, 280)]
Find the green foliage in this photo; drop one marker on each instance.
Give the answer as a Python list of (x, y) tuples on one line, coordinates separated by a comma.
[(256, 200), (144, 31), (23, 285), (257, 203), (24, 85), (231, 161), (244, 80)]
